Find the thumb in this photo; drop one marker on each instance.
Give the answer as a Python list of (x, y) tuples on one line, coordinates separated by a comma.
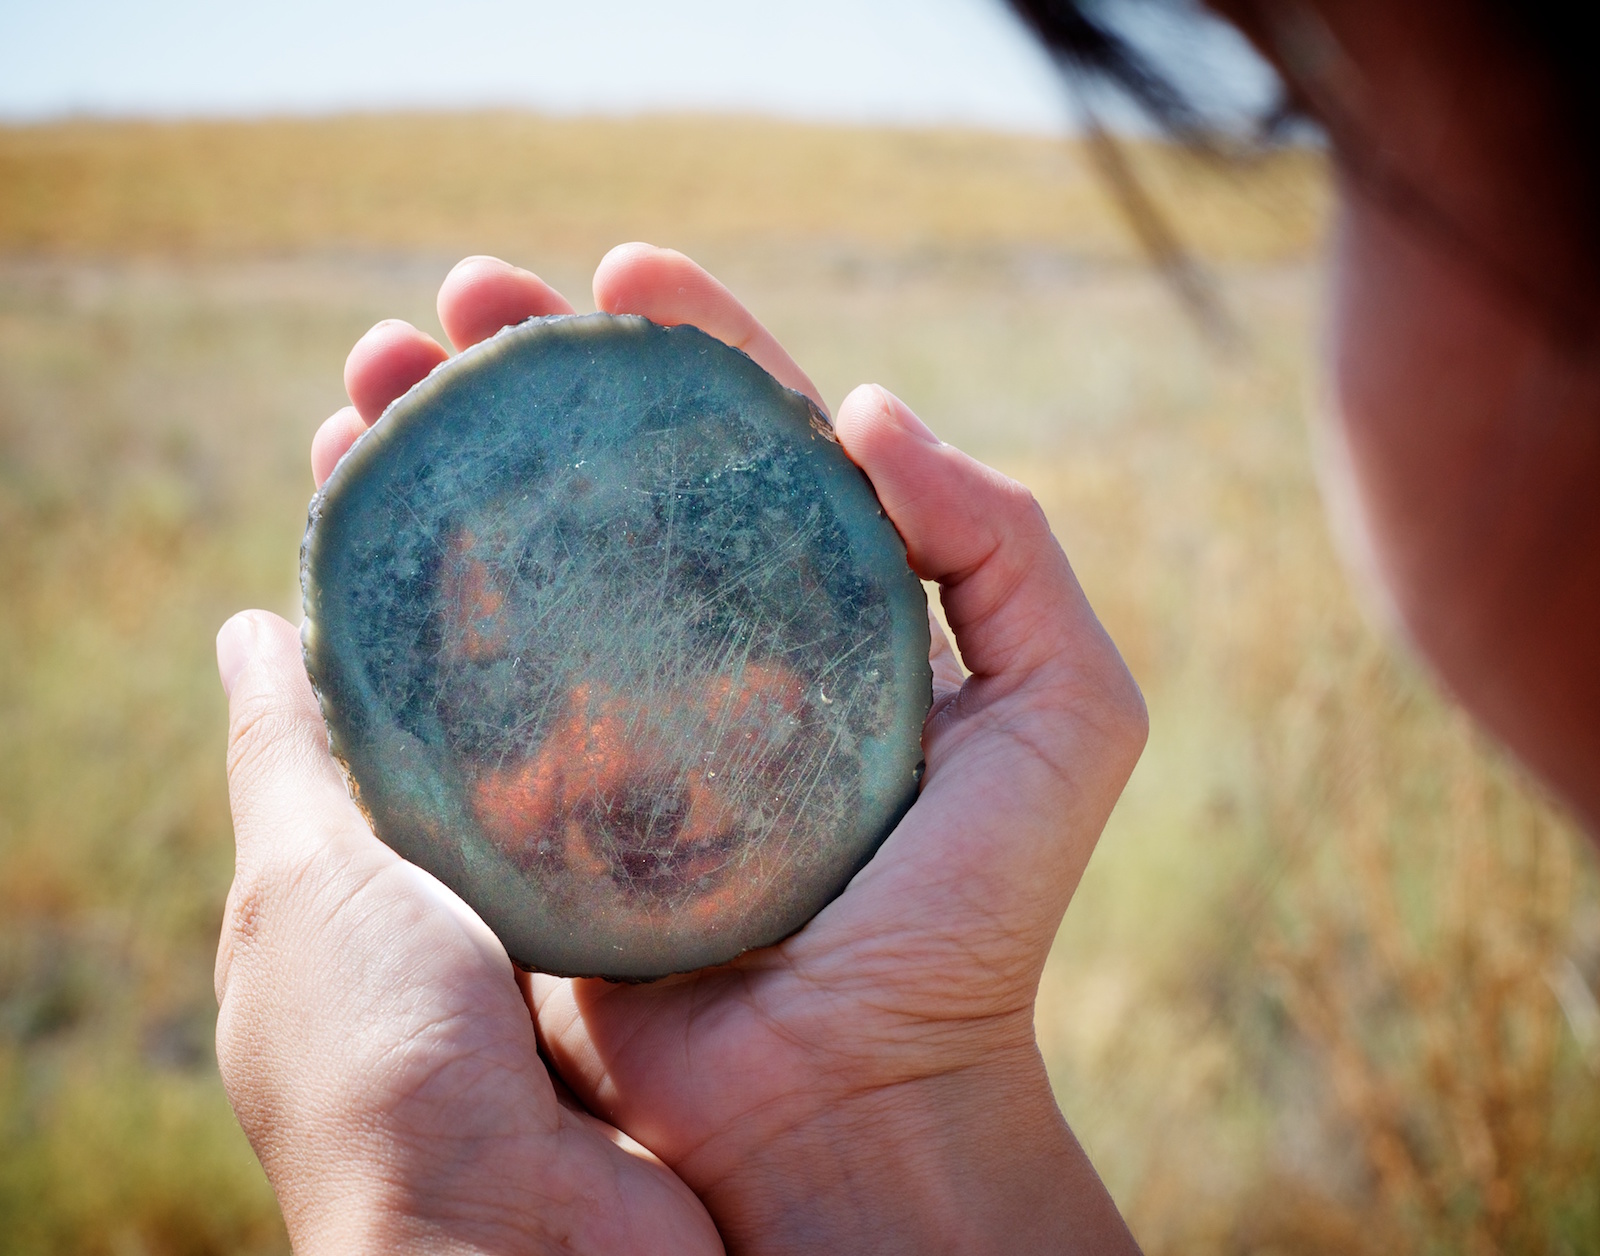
[(286, 790), (1027, 759), (1019, 617), (295, 826)]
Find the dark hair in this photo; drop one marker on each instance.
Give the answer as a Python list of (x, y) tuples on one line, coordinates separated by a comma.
[(1089, 41), (1092, 55), (1089, 38)]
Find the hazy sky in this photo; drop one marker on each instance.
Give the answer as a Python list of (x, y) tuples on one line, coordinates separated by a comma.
[(899, 61)]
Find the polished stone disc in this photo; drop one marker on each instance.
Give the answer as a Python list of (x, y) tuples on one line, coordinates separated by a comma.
[(612, 638)]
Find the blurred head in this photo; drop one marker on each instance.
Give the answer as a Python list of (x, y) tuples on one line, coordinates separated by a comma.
[(1461, 424)]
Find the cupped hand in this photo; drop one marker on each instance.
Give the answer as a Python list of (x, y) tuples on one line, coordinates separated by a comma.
[(371, 1032), (872, 1083)]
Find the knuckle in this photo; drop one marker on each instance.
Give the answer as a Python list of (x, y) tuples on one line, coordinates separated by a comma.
[(1020, 546), (229, 1040), (242, 923), (1021, 510), (250, 1075), (246, 911), (1025, 545), (223, 965), (1133, 719), (1122, 718), (235, 985), (1089, 687), (264, 731), (274, 917)]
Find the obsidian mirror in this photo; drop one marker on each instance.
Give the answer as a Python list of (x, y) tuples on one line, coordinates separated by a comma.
[(612, 637)]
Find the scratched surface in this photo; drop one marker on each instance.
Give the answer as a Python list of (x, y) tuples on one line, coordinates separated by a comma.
[(612, 638)]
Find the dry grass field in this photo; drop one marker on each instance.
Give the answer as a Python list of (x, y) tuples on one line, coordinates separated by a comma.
[(1328, 985)]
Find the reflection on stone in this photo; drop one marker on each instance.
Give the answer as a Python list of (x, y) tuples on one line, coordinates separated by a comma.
[(613, 638)]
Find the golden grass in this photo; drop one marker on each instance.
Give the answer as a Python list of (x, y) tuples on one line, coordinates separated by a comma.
[(1327, 986), (518, 184)]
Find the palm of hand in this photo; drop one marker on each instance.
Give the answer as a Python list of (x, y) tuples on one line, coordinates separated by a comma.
[(763, 1084), (925, 968), (367, 1024)]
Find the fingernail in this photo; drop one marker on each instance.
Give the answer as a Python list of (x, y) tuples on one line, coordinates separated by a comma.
[(908, 419), (236, 646)]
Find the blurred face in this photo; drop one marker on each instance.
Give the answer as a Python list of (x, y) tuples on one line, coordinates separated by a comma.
[(1462, 418)]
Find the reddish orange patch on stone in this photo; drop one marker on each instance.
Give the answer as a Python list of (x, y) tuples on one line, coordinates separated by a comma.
[(474, 601), (610, 791)]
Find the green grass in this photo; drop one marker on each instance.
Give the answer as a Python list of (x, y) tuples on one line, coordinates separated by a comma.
[(1306, 999)]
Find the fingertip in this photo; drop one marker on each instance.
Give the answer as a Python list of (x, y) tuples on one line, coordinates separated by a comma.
[(276, 734), (629, 271), (333, 441), (482, 294), (389, 359), (236, 646), (1006, 586), (255, 639), (671, 289), (871, 411), (290, 800), (472, 259), (904, 460)]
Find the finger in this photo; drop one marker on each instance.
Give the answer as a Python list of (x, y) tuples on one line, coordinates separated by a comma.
[(291, 807), (947, 674), (290, 801), (288, 797), (332, 440), (1042, 737), (385, 362), (285, 787), (667, 288), (301, 843), (1007, 590), (481, 295)]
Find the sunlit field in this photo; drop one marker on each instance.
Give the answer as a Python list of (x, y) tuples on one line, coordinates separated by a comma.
[(1328, 984)]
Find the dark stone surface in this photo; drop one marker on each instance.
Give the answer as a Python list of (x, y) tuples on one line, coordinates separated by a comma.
[(612, 638)]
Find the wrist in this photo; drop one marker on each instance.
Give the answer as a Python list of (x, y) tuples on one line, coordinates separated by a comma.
[(975, 1160), (367, 1222), (378, 1205)]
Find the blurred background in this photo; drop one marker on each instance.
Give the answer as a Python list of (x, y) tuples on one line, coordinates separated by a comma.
[(1328, 985)]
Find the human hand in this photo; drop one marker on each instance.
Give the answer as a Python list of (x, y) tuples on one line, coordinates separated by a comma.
[(872, 1081), (371, 1033)]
